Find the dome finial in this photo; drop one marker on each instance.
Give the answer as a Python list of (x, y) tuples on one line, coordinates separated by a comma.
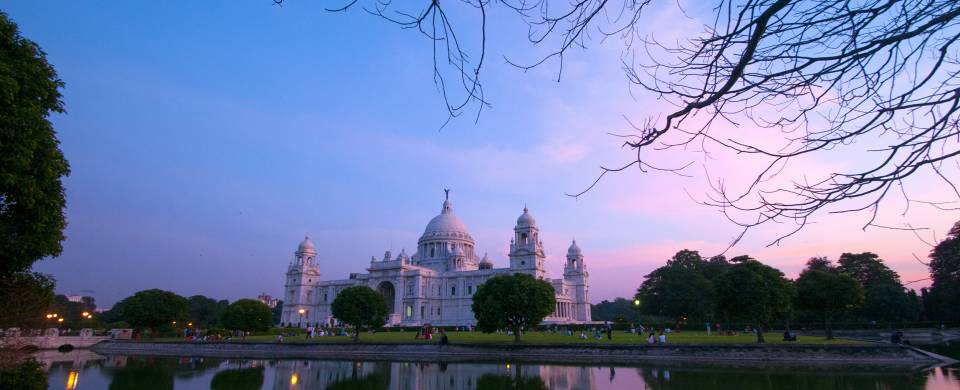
[(446, 193)]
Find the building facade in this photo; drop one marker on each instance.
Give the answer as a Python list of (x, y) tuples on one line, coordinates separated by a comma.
[(436, 284)]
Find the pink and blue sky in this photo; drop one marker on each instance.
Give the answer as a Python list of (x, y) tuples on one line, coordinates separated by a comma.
[(207, 138)]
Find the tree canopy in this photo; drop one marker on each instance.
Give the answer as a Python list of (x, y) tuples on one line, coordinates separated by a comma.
[(620, 309), (944, 293), (31, 163), (754, 293), (684, 287), (152, 309), (827, 295), (885, 298), (247, 315), (360, 307), (25, 298), (203, 311), (515, 302)]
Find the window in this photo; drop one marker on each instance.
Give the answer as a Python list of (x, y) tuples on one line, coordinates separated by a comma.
[(470, 290), (423, 310), (325, 297), (409, 311), (431, 251), (453, 291)]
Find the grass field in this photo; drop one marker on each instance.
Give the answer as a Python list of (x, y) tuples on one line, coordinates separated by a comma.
[(619, 338)]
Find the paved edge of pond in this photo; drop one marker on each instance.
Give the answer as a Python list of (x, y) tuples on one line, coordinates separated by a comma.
[(750, 355)]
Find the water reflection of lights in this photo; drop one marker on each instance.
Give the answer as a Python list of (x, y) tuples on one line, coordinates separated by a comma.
[(72, 378), (293, 379)]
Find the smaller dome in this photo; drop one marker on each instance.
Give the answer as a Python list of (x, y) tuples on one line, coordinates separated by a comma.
[(306, 246), (485, 263), (574, 249), (525, 219)]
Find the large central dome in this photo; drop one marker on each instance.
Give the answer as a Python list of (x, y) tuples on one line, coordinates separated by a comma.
[(447, 224)]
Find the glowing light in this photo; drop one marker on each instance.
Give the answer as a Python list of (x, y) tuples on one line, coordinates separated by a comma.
[(301, 311), (49, 316), (54, 315), (59, 319), (174, 323), (72, 378), (508, 366), (189, 324), (636, 302), (293, 379), (85, 314)]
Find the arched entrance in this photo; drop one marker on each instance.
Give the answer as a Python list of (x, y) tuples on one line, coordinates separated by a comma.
[(389, 295)]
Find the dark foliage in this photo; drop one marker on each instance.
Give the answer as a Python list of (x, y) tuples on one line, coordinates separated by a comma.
[(31, 163)]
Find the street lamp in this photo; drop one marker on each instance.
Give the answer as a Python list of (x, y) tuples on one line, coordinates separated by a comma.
[(301, 311)]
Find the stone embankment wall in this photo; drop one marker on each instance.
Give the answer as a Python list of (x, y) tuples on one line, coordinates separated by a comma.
[(722, 355)]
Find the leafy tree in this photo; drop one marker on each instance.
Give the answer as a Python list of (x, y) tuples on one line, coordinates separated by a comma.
[(247, 315), (885, 298), (754, 293), (683, 287), (516, 302), (610, 311), (23, 375), (277, 312), (31, 164), (72, 312), (152, 309), (360, 306), (25, 298), (204, 312), (827, 295), (943, 298)]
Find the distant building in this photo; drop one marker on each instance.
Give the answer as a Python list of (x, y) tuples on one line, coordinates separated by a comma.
[(268, 300), (75, 298), (436, 284)]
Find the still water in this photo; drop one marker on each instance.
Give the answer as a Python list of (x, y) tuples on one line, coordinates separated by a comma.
[(86, 370)]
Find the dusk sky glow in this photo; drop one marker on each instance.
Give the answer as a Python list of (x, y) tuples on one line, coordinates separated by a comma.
[(206, 139)]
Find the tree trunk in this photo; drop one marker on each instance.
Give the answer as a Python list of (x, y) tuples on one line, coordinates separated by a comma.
[(516, 334), (827, 329), (356, 334)]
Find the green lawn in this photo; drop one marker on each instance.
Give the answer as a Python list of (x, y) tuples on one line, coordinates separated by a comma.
[(542, 338)]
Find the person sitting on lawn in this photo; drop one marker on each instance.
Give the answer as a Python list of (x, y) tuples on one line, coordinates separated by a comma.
[(789, 336), (650, 339), (583, 336), (663, 338)]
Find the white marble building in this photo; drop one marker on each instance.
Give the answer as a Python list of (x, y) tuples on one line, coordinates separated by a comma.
[(435, 285)]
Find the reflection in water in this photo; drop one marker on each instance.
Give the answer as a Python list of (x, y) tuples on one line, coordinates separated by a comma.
[(238, 379), (120, 372), (143, 374)]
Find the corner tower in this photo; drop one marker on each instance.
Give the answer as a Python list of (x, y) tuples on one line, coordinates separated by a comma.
[(575, 275), (302, 274), (526, 250)]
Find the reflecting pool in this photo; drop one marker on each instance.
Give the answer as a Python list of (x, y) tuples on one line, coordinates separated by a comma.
[(87, 370)]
